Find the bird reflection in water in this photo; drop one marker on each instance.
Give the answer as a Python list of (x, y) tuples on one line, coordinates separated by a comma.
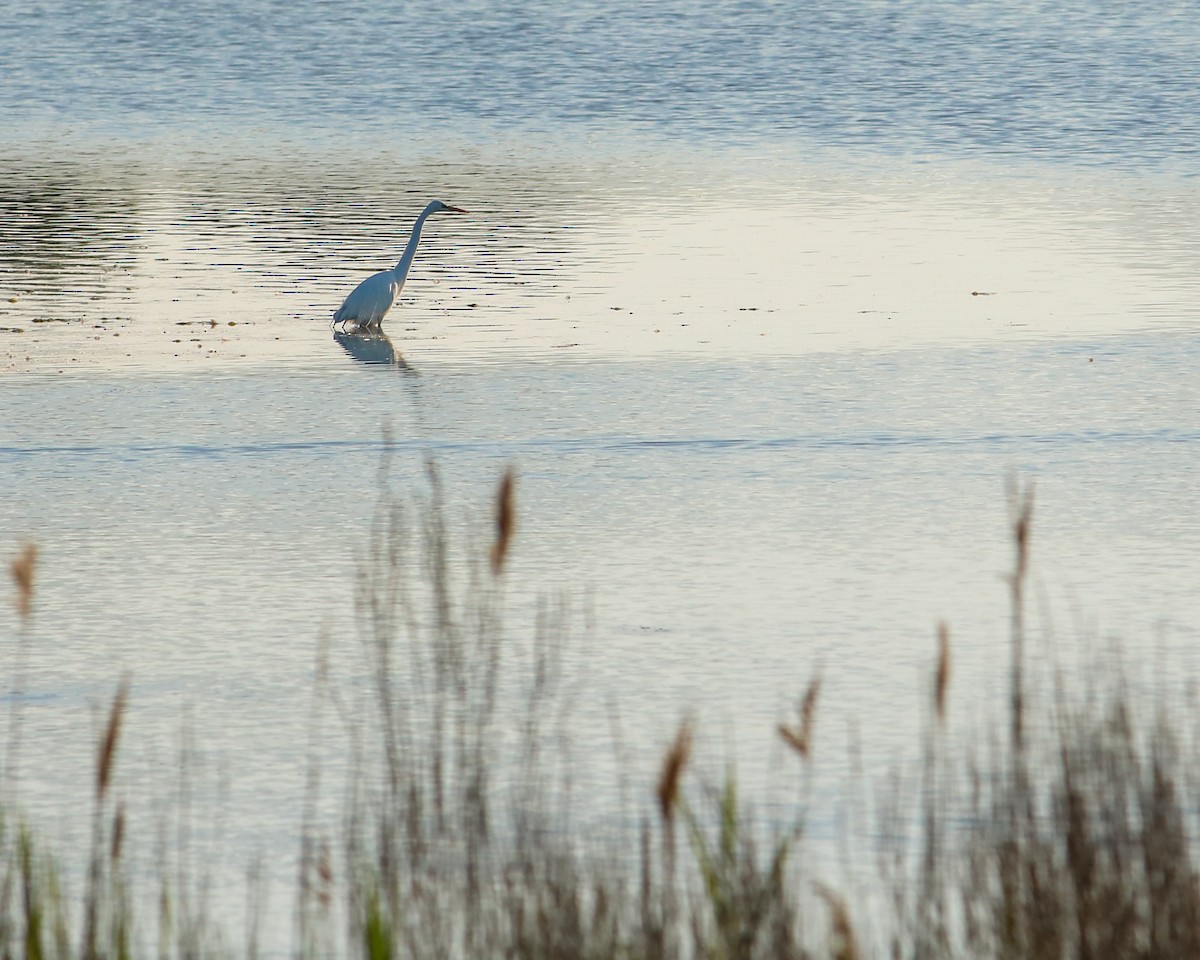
[(374, 347)]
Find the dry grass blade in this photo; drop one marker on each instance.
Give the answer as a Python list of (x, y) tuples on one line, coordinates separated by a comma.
[(799, 738), (112, 733), (460, 839), (22, 568), (506, 519), (843, 944), (943, 670), (674, 763), (1020, 500), (118, 835)]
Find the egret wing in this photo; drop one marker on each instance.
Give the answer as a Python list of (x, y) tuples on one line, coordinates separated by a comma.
[(370, 300)]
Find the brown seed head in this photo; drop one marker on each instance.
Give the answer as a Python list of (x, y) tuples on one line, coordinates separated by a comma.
[(22, 569), (674, 763), (943, 670), (799, 738), (325, 876), (506, 519), (112, 733)]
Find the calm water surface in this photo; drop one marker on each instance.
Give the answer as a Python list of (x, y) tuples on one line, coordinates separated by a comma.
[(764, 302), (1083, 82)]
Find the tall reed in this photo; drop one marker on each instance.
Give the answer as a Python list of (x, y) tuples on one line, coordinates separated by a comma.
[(1069, 832)]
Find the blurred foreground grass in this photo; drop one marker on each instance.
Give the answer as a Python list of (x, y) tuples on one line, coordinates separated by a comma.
[(1071, 835)]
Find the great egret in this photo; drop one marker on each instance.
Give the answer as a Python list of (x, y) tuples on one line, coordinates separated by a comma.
[(370, 301)]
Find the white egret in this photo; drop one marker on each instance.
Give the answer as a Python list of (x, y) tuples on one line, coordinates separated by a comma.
[(370, 301)]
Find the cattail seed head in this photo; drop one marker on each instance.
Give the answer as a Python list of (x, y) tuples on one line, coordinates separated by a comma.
[(506, 520), (22, 568), (674, 763), (943, 670), (112, 732)]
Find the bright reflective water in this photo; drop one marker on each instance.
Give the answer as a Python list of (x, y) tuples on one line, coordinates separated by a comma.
[(765, 301)]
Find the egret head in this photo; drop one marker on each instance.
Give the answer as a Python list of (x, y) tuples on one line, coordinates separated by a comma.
[(439, 207)]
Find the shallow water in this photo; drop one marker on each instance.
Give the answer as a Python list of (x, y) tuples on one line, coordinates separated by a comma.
[(734, 526), (242, 264), (764, 306)]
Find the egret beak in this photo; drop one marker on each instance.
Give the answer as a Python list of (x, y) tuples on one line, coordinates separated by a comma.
[(451, 209)]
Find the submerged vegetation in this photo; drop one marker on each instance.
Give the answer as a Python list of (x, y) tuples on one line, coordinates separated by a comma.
[(1071, 836)]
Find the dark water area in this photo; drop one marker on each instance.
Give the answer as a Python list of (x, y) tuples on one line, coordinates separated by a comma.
[(1081, 83)]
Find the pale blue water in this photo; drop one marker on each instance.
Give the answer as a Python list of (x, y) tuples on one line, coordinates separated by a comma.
[(714, 301), (1079, 82)]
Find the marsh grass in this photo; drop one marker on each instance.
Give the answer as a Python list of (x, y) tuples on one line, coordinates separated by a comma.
[(1069, 833)]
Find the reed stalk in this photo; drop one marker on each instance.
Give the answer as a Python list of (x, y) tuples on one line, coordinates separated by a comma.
[(1072, 836)]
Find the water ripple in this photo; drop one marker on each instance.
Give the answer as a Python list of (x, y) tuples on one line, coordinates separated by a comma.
[(584, 445), (1082, 82)]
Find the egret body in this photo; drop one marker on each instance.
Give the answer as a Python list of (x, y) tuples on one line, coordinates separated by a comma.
[(370, 301)]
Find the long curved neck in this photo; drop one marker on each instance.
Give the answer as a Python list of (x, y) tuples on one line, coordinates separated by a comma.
[(410, 251)]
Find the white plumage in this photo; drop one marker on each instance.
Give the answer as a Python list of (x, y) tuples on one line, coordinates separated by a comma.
[(369, 302)]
